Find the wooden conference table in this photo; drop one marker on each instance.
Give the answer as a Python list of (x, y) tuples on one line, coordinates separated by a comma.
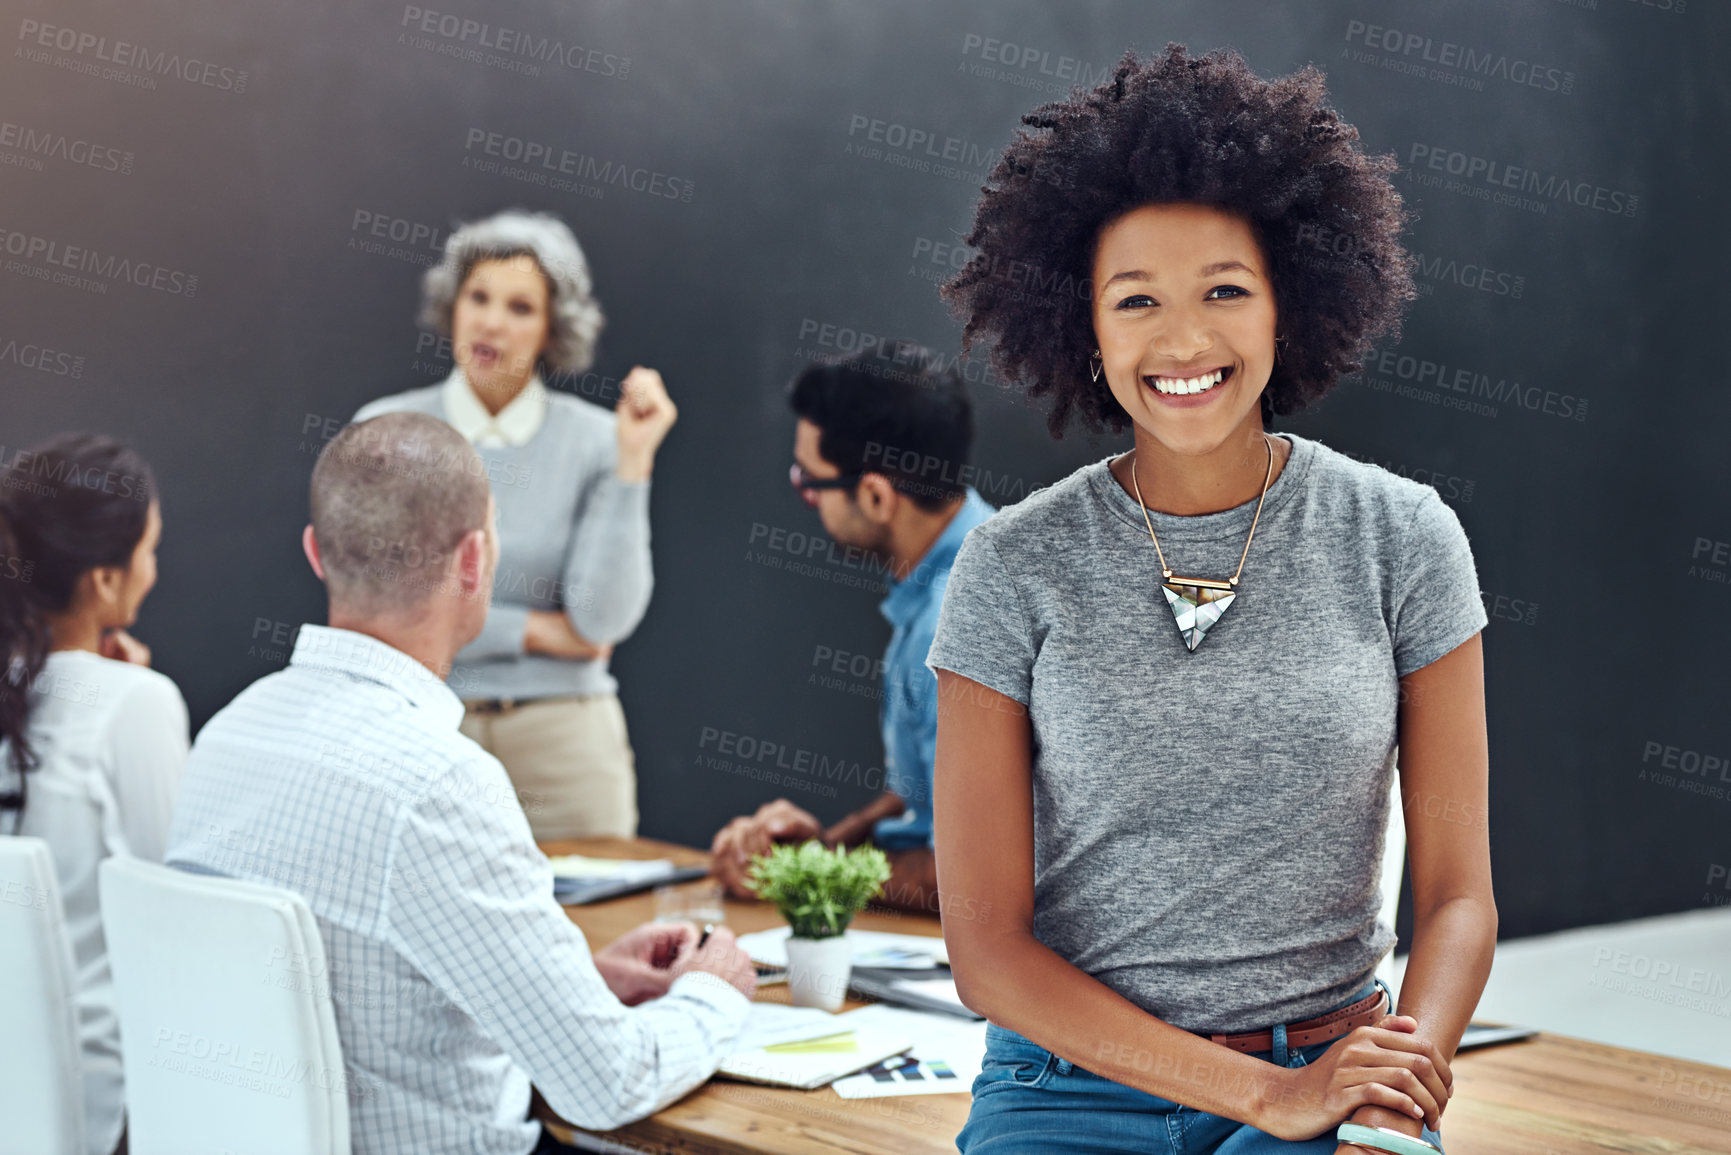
[(1546, 1096)]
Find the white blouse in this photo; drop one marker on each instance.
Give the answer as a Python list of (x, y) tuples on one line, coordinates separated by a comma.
[(110, 740)]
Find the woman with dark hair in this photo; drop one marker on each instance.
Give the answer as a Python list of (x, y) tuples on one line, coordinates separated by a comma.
[(571, 483), (1177, 678), (92, 741)]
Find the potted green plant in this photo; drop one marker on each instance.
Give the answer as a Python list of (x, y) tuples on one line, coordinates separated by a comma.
[(818, 891)]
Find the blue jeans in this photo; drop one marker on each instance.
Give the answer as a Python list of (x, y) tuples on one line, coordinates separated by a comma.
[(1028, 1100)]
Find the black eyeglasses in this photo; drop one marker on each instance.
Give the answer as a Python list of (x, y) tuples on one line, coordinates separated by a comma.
[(807, 486)]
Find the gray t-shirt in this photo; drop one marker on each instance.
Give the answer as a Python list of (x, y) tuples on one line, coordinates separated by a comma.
[(1208, 825)]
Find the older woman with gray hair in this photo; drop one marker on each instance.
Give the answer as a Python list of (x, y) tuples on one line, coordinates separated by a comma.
[(571, 484)]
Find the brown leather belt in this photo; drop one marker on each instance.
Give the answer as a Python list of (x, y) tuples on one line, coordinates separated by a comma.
[(494, 705), (1322, 1029)]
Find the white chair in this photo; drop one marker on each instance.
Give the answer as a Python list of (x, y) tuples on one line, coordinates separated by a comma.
[(41, 1066), (1393, 865), (225, 1016)]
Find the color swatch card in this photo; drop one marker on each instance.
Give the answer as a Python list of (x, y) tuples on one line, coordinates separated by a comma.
[(903, 1075)]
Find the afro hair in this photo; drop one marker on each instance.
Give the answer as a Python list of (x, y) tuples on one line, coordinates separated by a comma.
[(1177, 129)]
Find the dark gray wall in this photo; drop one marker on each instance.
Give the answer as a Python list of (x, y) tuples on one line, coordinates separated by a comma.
[(240, 144)]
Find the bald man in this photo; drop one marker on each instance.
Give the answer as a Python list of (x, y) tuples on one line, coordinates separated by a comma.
[(456, 977)]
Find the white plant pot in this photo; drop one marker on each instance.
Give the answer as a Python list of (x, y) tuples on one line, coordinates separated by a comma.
[(818, 970)]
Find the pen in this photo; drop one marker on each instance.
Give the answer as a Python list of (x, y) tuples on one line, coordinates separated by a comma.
[(704, 937)]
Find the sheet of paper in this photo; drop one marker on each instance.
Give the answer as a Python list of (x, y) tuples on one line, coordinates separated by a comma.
[(944, 1060), (767, 1024), (871, 948)]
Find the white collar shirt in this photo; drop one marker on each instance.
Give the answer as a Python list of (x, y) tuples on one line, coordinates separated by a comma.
[(514, 425)]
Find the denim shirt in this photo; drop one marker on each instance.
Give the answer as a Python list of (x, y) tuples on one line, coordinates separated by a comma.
[(910, 703)]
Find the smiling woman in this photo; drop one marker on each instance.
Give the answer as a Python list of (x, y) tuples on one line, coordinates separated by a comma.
[(1187, 839)]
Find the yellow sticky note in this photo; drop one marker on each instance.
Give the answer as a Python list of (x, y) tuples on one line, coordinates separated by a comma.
[(844, 1041)]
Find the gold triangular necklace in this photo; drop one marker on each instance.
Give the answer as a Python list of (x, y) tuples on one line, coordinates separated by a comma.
[(1198, 603)]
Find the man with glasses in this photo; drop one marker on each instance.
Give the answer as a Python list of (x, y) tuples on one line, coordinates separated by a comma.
[(880, 451)]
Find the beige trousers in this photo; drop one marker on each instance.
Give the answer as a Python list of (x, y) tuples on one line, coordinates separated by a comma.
[(570, 761)]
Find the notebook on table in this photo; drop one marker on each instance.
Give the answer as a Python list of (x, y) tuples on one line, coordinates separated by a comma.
[(579, 879), (929, 989), (806, 1048)]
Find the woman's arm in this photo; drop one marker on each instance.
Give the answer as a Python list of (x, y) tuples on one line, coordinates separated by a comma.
[(148, 743), (983, 806), (1445, 792), (608, 575)]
